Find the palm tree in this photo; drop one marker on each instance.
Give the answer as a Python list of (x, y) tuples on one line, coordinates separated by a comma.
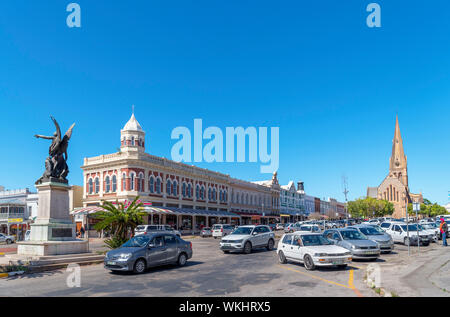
[(120, 219)]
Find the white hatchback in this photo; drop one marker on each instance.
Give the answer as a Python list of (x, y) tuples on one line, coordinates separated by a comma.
[(312, 250)]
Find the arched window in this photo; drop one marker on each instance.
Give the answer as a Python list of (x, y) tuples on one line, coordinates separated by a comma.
[(108, 184), (175, 188), (214, 194), (183, 190), (124, 181), (132, 141), (202, 193), (197, 192), (114, 183), (132, 180), (209, 193), (91, 186), (97, 185), (158, 185), (151, 185), (189, 190), (140, 182), (169, 187)]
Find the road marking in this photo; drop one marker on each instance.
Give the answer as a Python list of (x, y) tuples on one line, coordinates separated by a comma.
[(352, 286), (316, 277)]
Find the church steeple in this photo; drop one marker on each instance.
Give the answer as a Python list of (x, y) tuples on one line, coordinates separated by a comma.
[(398, 163)]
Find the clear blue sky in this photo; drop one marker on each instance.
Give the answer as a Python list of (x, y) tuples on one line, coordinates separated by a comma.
[(312, 68)]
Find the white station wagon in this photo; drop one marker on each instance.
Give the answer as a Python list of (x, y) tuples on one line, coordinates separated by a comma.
[(312, 250)]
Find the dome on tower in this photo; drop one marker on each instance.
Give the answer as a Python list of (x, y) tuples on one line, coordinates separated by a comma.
[(133, 125)]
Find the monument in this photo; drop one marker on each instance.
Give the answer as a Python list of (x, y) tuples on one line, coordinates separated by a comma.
[(53, 232)]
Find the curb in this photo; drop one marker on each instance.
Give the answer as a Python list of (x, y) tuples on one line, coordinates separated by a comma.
[(5, 275)]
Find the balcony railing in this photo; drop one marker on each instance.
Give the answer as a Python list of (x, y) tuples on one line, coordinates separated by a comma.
[(15, 216)]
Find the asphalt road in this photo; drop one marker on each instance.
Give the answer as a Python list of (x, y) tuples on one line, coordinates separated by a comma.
[(209, 273)]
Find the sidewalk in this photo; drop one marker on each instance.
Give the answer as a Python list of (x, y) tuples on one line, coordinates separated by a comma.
[(424, 274)]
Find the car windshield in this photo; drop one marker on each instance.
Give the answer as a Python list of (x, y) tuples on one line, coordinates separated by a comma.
[(352, 235), (379, 229), (140, 228), (370, 231), (429, 226), (138, 241), (306, 228), (411, 228), (313, 240), (243, 230)]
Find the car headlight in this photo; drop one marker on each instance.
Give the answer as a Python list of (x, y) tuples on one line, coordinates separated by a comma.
[(354, 247), (125, 256), (320, 254)]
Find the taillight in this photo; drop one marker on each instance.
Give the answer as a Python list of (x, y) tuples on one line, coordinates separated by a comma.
[(190, 245), (221, 230)]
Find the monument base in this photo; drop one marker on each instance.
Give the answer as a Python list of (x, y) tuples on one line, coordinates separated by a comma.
[(44, 248)]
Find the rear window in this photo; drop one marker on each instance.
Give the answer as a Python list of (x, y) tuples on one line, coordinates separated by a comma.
[(206, 228), (139, 228), (217, 227), (152, 227), (287, 239)]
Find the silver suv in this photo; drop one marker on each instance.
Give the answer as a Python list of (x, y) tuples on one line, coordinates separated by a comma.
[(246, 238)]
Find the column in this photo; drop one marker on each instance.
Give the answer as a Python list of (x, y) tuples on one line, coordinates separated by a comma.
[(194, 224)]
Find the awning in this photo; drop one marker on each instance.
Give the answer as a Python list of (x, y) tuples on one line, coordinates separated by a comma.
[(281, 215), (86, 210), (189, 212)]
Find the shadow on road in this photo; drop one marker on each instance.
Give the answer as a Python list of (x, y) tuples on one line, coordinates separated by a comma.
[(163, 268)]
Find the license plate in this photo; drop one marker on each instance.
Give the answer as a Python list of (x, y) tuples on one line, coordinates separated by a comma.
[(227, 245), (338, 262), (111, 263)]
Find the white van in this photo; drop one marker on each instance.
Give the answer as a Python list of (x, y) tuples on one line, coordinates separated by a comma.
[(221, 230)]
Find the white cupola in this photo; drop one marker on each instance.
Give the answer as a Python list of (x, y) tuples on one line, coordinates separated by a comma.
[(132, 136)]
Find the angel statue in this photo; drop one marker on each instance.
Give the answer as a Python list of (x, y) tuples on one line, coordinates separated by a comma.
[(56, 168)]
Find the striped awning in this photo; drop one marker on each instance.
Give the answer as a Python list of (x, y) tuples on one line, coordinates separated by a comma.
[(86, 210)]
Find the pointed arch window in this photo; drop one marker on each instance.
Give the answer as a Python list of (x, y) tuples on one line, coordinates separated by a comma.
[(151, 185), (158, 186), (97, 185), (189, 190), (175, 188), (124, 181), (108, 184), (91, 186), (168, 187)]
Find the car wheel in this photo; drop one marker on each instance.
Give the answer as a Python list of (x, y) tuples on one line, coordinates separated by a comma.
[(309, 263), (406, 241), (182, 259), (8, 241), (140, 266), (282, 258), (247, 248), (270, 245)]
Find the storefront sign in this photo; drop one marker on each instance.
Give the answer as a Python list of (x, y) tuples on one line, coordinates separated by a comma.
[(15, 220)]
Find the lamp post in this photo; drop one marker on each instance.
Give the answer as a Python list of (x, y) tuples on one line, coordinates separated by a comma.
[(405, 196), (416, 208)]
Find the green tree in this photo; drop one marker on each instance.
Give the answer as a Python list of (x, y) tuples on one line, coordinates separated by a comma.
[(428, 209), (120, 220), (370, 207)]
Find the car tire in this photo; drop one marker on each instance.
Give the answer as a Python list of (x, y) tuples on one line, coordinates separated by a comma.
[(8, 241), (247, 248), (282, 258), (308, 263), (407, 241), (270, 245), (182, 259), (139, 266)]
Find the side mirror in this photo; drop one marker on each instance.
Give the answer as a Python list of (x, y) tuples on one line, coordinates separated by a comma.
[(151, 245), (254, 233)]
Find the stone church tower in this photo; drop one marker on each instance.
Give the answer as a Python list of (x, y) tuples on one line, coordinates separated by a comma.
[(395, 187)]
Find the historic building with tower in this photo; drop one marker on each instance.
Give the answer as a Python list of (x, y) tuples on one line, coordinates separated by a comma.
[(395, 187)]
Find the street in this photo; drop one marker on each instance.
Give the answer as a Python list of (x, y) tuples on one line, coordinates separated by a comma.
[(209, 273)]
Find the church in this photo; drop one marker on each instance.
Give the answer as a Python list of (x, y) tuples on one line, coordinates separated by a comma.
[(395, 187)]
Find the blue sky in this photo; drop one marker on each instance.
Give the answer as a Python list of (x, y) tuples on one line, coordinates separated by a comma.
[(312, 68)]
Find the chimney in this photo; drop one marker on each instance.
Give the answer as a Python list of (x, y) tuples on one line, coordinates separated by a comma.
[(301, 186)]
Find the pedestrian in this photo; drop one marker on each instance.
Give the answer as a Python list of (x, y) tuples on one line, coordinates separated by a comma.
[(82, 231), (444, 231)]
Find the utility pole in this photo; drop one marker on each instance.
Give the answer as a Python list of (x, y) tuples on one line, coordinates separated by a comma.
[(345, 187)]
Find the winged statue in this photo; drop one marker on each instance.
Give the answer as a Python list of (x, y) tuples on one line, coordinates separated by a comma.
[(56, 168)]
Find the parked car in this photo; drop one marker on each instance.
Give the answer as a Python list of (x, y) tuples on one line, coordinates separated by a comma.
[(308, 228), (221, 230), (247, 238), (279, 226), (432, 230), (206, 232), (272, 226), (377, 235), (398, 232), (147, 229), (148, 250), (7, 239), (354, 241), (372, 222), (289, 227), (311, 249)]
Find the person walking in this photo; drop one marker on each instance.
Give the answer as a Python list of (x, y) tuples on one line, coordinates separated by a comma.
[(444, 231), (82, 232)]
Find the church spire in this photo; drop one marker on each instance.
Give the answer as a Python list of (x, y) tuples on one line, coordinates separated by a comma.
[(398, 161)]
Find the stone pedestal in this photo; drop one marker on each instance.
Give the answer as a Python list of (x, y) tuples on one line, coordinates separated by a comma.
[(53, 232)]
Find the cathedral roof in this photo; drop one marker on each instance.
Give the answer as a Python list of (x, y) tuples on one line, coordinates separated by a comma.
[(132, 125), (398, 158)]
